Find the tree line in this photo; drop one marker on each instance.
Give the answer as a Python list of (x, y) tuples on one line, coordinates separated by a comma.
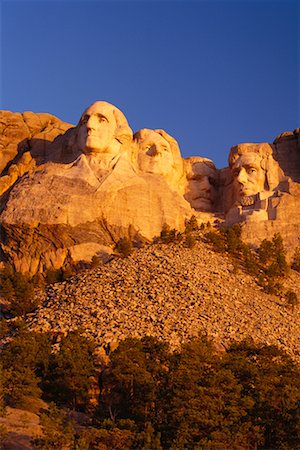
[(146, 396)]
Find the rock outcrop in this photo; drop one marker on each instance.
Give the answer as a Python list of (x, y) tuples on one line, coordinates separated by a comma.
[(25, 142), (69, 193)]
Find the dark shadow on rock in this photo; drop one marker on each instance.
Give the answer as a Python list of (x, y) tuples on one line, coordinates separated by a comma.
[(43, 150), (16, 441)]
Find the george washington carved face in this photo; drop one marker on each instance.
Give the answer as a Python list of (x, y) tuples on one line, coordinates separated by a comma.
[(102, 129)]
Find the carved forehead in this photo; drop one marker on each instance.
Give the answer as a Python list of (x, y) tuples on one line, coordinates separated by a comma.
[(197, 166), (103, 108), (263, 151), (151, 136), (248, 160)]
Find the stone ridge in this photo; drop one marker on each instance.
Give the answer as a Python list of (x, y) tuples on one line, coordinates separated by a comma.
[(171, 292), (68, 193)]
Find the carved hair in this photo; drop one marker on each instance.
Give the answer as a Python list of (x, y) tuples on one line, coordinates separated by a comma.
[(271, 167), (191, 160)]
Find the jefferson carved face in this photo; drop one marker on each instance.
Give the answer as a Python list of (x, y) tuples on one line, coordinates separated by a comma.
[(97, 129), (155, 154), (248, 175), (202, 181)]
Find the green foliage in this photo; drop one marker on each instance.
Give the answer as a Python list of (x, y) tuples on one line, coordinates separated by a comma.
[(104, 439), (124, 247), (266, 264), (292, 298), (272, 256), (271, 380), (189, 241), (58, 430), (151, 398), (296, 260), (71, 371), (169, 235), (269, 285), (24, 362), (53, 276), (137, 372), (191, 225), (4, 328), (59, 275), (19, 290), (205, 407), (148, 439), (226, 240)]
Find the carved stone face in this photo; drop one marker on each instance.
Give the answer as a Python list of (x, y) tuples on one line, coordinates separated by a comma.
[(202, 180), (97, 129), (155, 154), (248, 175)]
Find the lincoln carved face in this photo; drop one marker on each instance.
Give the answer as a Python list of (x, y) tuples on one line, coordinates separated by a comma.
[(202, 182), (248, 175), (102, 129)]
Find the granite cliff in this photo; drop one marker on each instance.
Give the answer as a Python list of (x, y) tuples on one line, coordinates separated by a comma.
[(70, 193)]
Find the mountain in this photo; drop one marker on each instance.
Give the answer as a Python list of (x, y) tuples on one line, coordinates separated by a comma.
[(70, 193)]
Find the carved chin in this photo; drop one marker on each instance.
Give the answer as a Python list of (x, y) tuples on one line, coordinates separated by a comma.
[(247, 191), (93, 147), (201, 204)]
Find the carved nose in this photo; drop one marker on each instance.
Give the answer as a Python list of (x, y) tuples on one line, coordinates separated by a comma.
[(242, 176), (153, 150), (90, 123), (205, 184)]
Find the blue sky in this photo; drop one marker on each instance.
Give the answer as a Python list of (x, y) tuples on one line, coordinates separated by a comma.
[(211, 73)]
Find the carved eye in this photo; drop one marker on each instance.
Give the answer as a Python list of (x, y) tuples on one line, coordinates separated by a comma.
[(251, 170), (84, 119), (212, 181), (236, 173)]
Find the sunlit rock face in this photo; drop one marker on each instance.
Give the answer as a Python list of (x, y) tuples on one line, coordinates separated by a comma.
[(69, 193), (157, 153), (102, 134), (70, 211), (287, 153), (201, 183), (253, 169), (256, 177), (26, 141)]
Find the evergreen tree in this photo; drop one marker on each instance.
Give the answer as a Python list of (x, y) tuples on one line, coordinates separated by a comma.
[(71, 371), (124, 246), (58, 430)]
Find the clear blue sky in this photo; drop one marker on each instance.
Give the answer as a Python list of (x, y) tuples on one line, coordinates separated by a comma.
[(211, 73)]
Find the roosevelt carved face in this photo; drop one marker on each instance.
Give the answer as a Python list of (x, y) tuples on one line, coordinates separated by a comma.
[(97, 129), (248, 175), (202, 182)]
